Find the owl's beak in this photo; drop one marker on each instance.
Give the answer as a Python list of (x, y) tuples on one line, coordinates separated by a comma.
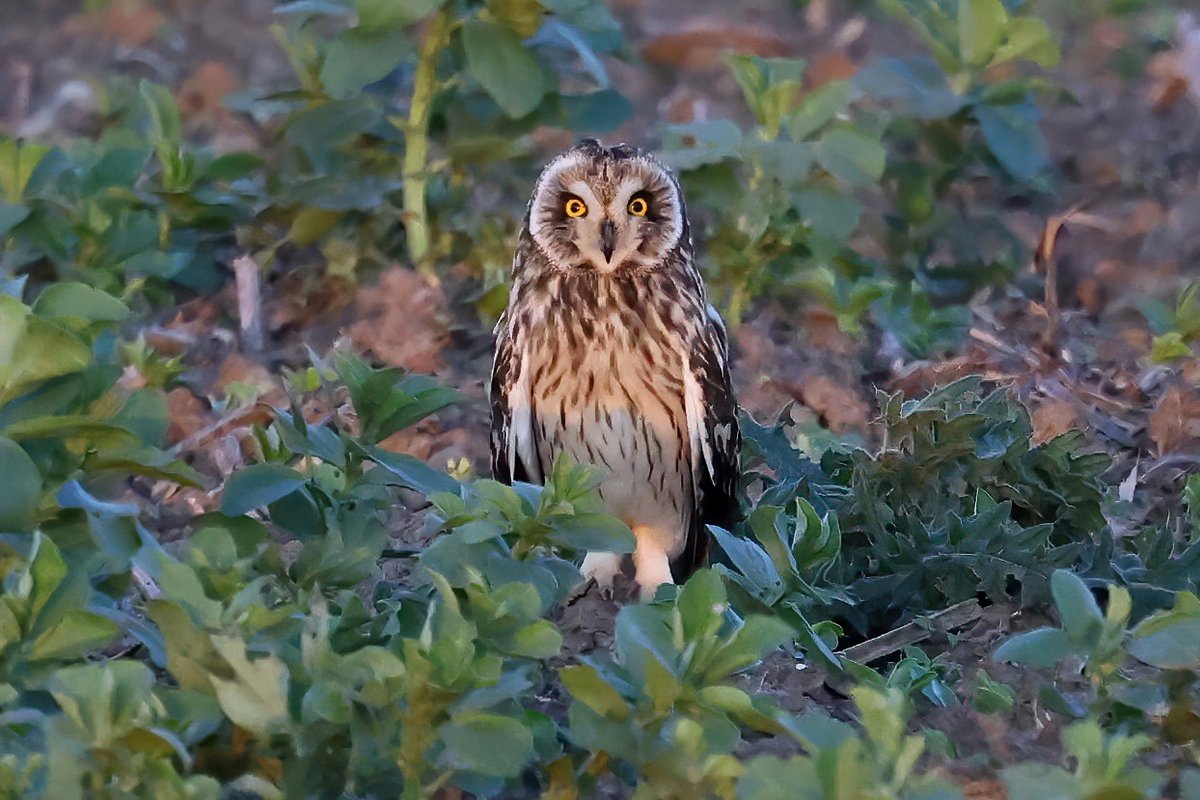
[(608, 238)]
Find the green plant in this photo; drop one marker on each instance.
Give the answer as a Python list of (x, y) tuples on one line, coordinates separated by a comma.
[(841, 762), (1104, 766), (777, 200), (1115, 658), (664, 708), (1176, 328)]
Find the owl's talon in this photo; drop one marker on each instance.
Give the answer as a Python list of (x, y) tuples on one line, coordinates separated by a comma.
[(602, 568)]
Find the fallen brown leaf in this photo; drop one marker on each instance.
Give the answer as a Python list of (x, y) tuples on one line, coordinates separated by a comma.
[(1054, 418), (838, 404), (187, 414), (201, 93), (1175, 420), (827, 68), (239, 368), (403, 320)]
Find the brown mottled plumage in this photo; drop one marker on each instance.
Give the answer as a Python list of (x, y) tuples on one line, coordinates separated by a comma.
[(609, 351)]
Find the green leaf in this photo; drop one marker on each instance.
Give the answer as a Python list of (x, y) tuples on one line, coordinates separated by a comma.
[(1082, 619), (702, 603), (817, 109), (828, 211), (255, 698), (18, 160), (487, 743), (257, 486), (593, 532), (231, 166), (1029, 39), (757, 637), (69, 302), (360, 56), (588, 686), (34, 350), (1044, 647), (48, 571), (11, 215), (106, 700), (504, 67), (852, 155), (165, 125), (376, 15), (981, 27), (1012, 135), (1041, 781), (76, 634), (411, 472), (1169, 347), (22, 492), (1168, 640)]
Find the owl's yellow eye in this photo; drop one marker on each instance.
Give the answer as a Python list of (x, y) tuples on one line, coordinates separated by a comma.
[(575, 207), (638, 206)]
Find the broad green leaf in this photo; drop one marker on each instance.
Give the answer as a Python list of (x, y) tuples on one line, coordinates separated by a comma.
[(702, 603), (1012, 134), (11, 215), (77, 633), (817, 109), (1044, 647), (504, 67), (255, 698), (47, 570), (1081, 615), (380, 15), (360, 56), (1029, 39), (583, 532), (487, 743), (410, 472), (852, 155), (256, 486), (1168, 640), (829, 212), (69, 302), (981, 27), (540, 639), (757, 637), (22, 491), (231, 166), (165, 125), (106, 700), (34, 350), (523, 16), (1028, 781), (18, 160), (588, 686)]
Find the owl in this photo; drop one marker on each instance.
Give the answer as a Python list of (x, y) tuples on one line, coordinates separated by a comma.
[(609, 351)]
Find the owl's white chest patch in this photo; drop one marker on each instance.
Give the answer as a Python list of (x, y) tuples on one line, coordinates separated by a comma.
[(616, 400)]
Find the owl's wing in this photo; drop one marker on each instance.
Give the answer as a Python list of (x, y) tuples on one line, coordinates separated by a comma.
[(715, 438), (513, 448)]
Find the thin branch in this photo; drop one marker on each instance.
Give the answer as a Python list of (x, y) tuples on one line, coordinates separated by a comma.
[(956, 616)]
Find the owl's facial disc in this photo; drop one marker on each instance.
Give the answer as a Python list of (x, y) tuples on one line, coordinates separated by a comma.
[(606, 214)]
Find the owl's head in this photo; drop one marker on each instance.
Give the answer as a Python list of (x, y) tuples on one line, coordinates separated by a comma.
[(607, 209)]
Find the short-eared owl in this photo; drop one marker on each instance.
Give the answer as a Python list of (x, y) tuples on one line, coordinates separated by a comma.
[(610, 352)]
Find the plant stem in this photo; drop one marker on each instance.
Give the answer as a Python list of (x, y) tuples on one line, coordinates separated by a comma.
[(416, 142)]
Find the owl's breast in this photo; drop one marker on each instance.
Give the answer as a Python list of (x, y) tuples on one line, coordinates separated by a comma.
[(611, 394)]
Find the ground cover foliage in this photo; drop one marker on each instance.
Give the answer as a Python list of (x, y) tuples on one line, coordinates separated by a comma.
[(235, 568)]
